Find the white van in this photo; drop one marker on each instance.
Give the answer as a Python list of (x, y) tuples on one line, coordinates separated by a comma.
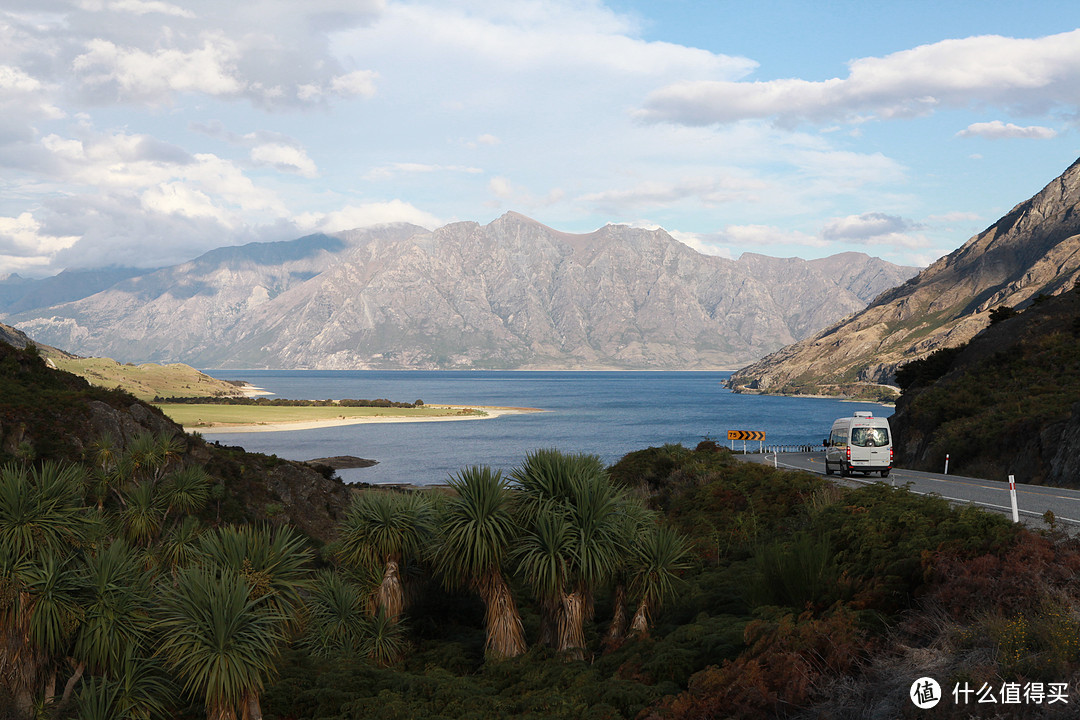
[(861, 443)]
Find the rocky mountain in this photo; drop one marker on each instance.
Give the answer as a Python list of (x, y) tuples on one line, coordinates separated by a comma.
[(510, 294), (1033, 250), (18, 294)]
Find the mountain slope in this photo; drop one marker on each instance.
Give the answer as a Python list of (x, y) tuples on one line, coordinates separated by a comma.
[(1005, 403), (510, 294), (1034, 249)]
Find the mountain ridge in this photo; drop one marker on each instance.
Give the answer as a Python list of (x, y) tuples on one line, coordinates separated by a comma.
[(514, 293), (1033, 249)]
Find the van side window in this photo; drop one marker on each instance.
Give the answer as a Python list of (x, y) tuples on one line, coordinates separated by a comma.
[(869, 437), (838, 439)]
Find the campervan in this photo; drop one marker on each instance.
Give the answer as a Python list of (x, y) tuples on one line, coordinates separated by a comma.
[(860, 443)]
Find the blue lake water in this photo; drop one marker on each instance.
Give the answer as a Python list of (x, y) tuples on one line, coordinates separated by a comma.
[(605, 413)]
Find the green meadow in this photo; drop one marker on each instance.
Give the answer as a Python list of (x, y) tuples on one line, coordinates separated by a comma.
[(211, 415)]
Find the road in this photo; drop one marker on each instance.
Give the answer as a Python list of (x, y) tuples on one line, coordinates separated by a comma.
[(1031, 500)]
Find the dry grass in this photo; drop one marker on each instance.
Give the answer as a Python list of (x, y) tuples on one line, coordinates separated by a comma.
[(148, 380)]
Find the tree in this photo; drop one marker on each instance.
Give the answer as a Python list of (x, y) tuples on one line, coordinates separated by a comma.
[(219, 638), (385, 530), (273, 565), (42, 524), (659, 555), (572, 541), (337, 616), (476, 528)]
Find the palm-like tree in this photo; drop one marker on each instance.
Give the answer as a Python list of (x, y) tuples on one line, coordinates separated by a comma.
[(385, 530), (659, 555), (476, 530), (634, 521), (274, 565), (273, 561), (153, 453), (572, 542), (42, 525), (143, 514), (219, 638), (337, 616), (185, 490)]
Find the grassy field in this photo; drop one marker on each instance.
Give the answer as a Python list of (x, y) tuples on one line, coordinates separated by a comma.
[(196, 416), (148, 380)]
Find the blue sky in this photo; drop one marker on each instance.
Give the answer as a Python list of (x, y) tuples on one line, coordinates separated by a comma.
[(144, 132)]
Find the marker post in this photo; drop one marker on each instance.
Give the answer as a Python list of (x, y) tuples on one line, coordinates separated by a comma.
[(1012, 493), (946, 463)]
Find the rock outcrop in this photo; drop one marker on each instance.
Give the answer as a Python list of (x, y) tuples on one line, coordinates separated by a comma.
[(1033, 250)]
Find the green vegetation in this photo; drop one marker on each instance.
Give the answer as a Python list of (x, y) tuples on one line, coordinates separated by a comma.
[(679, 583), (210, 415), (989, 402)]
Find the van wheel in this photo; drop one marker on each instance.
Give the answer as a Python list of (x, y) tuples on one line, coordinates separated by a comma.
[(884, 473), (828, 468), (844, 471)]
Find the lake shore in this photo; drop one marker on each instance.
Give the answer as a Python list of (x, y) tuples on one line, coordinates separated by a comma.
[(485, 413)]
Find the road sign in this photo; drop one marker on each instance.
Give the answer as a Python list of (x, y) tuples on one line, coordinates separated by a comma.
[(745, 434)]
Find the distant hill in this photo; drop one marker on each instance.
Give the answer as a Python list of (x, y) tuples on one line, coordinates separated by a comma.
[(1006, 403), (510, 294), (1034, 250)]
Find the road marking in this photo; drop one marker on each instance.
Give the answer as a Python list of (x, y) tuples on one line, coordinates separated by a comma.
[(900, 476)]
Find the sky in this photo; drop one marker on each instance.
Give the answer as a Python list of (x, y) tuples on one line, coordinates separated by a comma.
[(146, 132)]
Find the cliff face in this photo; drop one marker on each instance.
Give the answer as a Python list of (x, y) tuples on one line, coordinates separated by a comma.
[(510, 294), (1033, 250)]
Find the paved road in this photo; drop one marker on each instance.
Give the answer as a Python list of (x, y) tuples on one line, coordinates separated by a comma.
[(1031, 500)]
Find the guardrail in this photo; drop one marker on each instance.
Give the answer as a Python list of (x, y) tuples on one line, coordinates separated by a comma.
[(769, 449)]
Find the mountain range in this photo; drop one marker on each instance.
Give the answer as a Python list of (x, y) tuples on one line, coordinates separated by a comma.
[(1033, 250), (510, 294)]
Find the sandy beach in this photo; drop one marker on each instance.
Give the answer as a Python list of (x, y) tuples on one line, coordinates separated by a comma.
[(490, 413)]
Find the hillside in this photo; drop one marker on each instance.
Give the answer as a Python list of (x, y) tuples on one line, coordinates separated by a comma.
[(48, 414), (1006, 403), (754, 592), (1033, 250), (510, 294)]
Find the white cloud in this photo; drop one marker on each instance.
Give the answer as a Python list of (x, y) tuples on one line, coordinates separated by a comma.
[(708, 191), (140, 7), (357, 83), (25, 244), (366, 215), (403, 168), (513, 196), (520, 36), (874, 228), (175, 198), (998, 130), (284, 158), (134, 74), (1029, 74)]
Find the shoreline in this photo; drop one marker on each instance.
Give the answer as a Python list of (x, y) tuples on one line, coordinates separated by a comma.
[(491, 412)]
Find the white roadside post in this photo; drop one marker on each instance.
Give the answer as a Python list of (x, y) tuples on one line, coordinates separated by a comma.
[(946, 463), (1012, 493)]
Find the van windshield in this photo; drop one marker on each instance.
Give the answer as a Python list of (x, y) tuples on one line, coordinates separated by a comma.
[(869, 437)]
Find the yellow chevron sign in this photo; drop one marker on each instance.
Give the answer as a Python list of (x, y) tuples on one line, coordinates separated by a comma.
[(745, 434)]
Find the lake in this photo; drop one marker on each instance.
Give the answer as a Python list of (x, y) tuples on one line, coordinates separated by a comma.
[(605, 413)]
